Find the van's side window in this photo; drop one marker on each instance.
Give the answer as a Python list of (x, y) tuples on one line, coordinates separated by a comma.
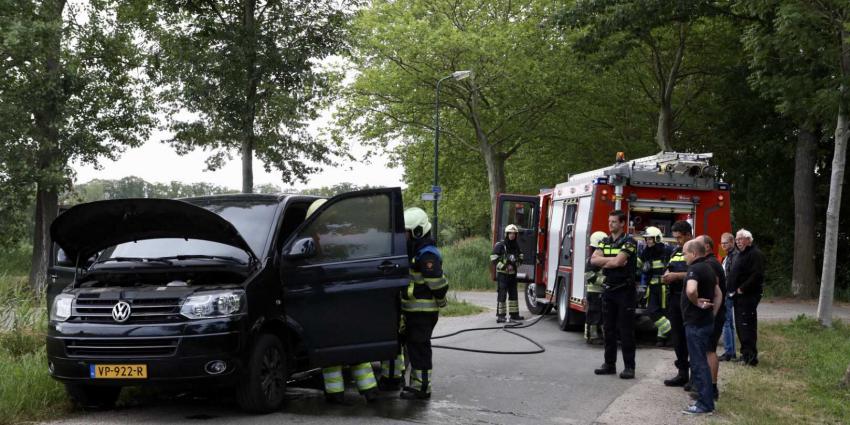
[(352, 228)]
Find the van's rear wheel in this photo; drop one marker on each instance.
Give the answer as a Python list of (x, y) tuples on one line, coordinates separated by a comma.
[(531, 302), (262, 387), (92, 397)]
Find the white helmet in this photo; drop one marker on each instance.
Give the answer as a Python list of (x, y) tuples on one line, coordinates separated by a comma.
[(511, 228), (314, 206), (653, 232), (596, 239), (416, 220)]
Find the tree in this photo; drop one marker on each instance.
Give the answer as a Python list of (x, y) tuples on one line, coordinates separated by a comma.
[(243, 76), (669, 37), (71, 91), (402, 49), (801, 58)]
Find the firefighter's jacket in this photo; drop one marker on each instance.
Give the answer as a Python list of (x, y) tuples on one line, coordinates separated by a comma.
[(652, 262), (677, 264), (427, 290), (620, 276), (507, 257)]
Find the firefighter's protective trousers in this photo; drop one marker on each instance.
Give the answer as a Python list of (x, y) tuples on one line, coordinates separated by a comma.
[(507, 290), (593, 320), (362, 373)]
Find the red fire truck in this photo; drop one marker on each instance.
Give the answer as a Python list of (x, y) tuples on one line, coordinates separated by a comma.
[(555, 224)]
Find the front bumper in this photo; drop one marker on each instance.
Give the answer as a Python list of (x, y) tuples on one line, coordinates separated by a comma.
[(173, 352)]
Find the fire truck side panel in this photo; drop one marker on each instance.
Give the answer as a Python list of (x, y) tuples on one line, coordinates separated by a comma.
[(580, 252), (556, 219)]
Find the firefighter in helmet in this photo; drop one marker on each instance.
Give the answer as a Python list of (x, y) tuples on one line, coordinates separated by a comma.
[(593, 283), (507, 257), (420, 306), (653, 261), (363, 374)]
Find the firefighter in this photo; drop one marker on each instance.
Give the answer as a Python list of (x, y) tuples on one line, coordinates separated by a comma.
[(594, 280), (654, 260), (674, 278), (507, 258), (617, 258), (420, 304), (332, 376)]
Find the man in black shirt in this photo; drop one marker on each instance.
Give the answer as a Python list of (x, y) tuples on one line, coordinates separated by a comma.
[(617, 256), (700, 302), (720, 317), (746, 284)]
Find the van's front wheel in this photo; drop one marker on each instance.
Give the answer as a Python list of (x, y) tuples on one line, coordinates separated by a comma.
[(262, 387)]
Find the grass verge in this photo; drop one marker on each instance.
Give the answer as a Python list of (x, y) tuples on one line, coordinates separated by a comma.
[(797, 380), (27, 393), (466, 264), (457, 308)]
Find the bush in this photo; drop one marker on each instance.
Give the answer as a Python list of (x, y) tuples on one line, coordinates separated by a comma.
[(16, 260), (467, 264)]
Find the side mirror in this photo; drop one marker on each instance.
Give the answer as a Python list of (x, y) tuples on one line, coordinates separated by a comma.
[(302, 248)]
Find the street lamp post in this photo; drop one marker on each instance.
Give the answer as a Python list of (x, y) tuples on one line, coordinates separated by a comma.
[(457, 76)]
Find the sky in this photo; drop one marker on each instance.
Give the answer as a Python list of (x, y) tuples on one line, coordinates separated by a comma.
[(156, 162)]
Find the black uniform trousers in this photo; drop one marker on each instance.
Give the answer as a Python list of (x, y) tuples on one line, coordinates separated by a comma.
[(618, 309), (746, 323), (418, 328), (507, 288), (677, 331), (654, 306)]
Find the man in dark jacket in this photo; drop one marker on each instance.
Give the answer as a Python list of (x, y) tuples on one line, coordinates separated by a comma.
[(746, 284)]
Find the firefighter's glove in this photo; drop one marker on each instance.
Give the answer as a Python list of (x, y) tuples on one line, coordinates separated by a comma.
[(441, 302), (401, 325)]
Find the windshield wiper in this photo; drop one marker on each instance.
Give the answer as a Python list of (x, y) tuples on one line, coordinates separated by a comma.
[(134, 259), (202, 257)]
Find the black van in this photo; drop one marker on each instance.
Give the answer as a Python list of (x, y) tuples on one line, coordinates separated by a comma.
[(238, 290)]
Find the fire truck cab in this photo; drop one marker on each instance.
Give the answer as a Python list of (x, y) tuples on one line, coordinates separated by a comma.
[(556, 223)]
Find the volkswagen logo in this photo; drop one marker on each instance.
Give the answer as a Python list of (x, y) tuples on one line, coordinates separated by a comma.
[(121, 311)]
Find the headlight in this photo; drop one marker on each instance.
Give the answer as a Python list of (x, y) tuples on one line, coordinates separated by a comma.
[(214, 304), (61, 308)]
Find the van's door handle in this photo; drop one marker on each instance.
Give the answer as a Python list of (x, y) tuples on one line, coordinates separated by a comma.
[(387, 266)]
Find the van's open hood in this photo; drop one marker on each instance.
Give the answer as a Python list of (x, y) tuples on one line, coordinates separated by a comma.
[(88, 228)]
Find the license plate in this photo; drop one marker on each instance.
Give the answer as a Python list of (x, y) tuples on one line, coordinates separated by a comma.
[(118, 371)]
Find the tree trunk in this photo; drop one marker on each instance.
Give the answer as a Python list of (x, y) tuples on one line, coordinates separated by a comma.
[(46, 209), (830, 249), (803, 280), (495, 164), (249, 27), (247, 164), (665, 126), (46, 113), (836, 183)]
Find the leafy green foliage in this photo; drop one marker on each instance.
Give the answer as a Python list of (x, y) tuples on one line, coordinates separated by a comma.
[(467, 264), (243, 76)]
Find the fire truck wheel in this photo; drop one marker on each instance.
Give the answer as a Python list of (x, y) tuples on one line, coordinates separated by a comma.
[(531, 302), (563, 307)]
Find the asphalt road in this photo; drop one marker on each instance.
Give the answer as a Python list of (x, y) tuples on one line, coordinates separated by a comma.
[(555, 387)]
